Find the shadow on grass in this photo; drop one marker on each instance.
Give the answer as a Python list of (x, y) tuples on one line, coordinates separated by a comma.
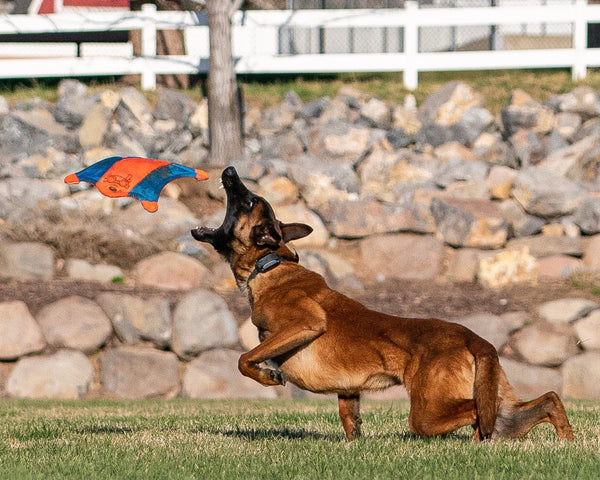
[(302, 434), (274, 433), (104, 429)]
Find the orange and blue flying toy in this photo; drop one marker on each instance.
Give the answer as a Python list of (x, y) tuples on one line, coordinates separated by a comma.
[(137, 177)]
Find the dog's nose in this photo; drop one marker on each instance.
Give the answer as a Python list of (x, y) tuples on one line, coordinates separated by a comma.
[(229, 172)]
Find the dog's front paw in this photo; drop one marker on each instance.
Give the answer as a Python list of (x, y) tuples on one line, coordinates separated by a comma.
[(278, 377)]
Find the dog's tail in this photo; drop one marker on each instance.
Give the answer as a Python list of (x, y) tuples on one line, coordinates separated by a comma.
[(487, 378)]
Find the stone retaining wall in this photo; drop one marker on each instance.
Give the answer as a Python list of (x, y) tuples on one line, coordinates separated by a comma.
[(467, 197)]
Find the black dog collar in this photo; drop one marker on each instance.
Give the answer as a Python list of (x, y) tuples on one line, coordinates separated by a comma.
[(264, 264)]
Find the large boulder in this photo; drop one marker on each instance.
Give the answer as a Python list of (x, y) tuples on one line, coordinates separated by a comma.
[(65, 375)]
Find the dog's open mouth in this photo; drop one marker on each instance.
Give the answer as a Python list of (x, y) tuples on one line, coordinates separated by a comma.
[(201, 233), (234, 189)]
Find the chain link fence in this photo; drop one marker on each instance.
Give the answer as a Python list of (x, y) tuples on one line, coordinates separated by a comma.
[(524, 34)]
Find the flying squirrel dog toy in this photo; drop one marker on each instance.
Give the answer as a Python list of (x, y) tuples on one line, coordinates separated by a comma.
[(136, 177)]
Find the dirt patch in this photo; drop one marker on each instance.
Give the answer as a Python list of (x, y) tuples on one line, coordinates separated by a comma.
[(405, 298)]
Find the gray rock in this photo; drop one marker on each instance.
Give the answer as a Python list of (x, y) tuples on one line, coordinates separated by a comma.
[(74, 322), (202, 321), (283, 145), (315, 108), (583, 100), (521, 224), (376, 113), (500, 181), (492, 328), (591, 254), (27, 132), (463, 265), (135, 319), (566, 124), (21, 335), (554, 142), (421, 259), (581, 376), (52, 165), (565, 310), (558, 266), (172, 219), (97, 121), (299, 213), (276, 119), (448, 104), (83, 270), (336, 111), (469, 223), (138, 372), (65, 375), (588, 331), (458, 170), (19, 196), (527, 147), (320, 181), (73, 103), (278, 190), (546, 194), (171, 104), (340, 141), (590, 128), (587, 215), (435, 135), (547, 345), (30, 260), (571, 162), (547, 245), (525, 113), (398, 137), (492, 149), (171, 271), (214, 374), (389, 175), (248, 169), (361, 218), (530, 381), (474, 122)]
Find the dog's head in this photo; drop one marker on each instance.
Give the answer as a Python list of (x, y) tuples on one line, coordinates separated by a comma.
[(250, 229)]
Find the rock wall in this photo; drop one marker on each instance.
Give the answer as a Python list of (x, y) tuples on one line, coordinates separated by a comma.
[(465, 196)]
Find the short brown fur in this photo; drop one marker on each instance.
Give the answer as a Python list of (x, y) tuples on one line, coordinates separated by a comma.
[(325, 342)]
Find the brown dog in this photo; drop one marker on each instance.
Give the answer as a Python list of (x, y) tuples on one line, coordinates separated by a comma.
[(323, 341)]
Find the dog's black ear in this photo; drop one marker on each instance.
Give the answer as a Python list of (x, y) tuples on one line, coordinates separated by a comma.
[(294, 231), (265, 235)]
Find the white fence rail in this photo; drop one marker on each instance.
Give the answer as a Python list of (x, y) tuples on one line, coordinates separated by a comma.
[(257, 41)]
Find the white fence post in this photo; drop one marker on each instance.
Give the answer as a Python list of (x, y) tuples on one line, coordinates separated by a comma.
[(579, 69), (148, 46), (410, 73)]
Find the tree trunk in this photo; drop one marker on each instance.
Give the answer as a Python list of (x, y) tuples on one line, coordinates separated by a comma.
[(223, 106)]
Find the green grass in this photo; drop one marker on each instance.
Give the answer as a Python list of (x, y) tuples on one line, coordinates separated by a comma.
[(268, 90), (185, 438), (587, 282)]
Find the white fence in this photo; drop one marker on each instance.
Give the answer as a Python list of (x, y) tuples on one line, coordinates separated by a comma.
[(258, 42)]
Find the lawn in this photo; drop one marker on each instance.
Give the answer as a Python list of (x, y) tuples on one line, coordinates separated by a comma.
[(280, 439)]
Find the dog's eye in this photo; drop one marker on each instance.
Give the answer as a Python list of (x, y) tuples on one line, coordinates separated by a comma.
[(252, 202)]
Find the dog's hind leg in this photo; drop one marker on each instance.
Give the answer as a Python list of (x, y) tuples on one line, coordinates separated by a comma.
[(349, 409), (441, 416), (518, 419)]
